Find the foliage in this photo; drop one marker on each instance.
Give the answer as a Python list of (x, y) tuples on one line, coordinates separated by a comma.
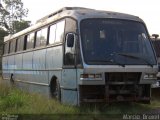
[(2, 34), (12, 13), (20, 25)]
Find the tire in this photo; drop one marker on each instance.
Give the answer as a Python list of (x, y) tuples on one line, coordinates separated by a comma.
[(55, 90), (147, 93), (12, 79)]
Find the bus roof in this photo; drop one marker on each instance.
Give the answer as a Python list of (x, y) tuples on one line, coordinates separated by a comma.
[(77, 13)]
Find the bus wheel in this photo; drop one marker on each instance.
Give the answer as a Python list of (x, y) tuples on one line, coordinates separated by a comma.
[(12, 79), (55, 90)]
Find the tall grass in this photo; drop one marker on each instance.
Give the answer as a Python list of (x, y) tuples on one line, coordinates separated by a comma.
[(15, 101)]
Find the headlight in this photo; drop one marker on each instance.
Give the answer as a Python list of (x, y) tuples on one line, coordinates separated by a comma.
[(150, 76), (91, 77)]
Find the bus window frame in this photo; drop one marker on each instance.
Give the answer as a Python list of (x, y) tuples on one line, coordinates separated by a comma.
[(16, 45), (9, 48)]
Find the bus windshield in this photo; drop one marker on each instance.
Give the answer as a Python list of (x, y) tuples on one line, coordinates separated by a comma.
[(116, 42)]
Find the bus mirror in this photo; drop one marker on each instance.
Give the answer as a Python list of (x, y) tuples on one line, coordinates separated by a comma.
[(70, 39), (155, 36)]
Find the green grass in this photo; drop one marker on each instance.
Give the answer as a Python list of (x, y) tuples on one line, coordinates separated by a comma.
[(15, 101)]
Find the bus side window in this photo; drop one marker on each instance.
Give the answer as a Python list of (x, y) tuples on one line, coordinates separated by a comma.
[(71, 27), (6, 48), (44, 36), (41, 37), (12, 46), (69, 49), (29, 41), (60, 31), (20, 43), (38, 38), (52, 34)]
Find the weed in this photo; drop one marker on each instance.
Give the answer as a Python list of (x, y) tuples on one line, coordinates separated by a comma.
[(15, 101)]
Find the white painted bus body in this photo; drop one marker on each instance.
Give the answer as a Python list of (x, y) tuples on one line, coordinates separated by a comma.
[(35, 68)]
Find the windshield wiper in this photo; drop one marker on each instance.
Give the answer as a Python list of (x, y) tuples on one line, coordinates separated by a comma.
[(111, 61), (135, 57)]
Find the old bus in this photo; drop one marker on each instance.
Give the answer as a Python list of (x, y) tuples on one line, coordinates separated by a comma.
[(81, 55)]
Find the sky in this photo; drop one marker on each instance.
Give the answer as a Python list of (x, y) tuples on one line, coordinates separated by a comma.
[(148, 10)]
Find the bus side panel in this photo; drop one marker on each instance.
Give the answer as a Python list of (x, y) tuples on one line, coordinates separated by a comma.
[(69, 85), (5, 67), (18, 66), (11, 65), (27, 66), (69, 97), (40, 74), (54, 59)]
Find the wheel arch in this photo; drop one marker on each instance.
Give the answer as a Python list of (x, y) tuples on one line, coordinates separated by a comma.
[(12, 78), (54, 83)]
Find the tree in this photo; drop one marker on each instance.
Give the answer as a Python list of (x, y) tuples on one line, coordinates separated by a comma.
[(13, 13), (2, 34), (11, 19), (20, 25)]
